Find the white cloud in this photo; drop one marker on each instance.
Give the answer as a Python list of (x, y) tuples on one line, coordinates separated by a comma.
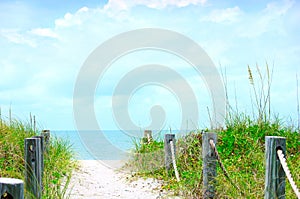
[(268, 20), (178, 3), (278, 8), (228, 15), (72, 19), (120, 9), (15, 37), (119, 5), (44, 32), (68, 20)]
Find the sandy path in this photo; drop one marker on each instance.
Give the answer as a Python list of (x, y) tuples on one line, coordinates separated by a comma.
[(94, 180)]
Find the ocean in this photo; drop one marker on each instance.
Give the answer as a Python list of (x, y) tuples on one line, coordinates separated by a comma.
[(104, 145)]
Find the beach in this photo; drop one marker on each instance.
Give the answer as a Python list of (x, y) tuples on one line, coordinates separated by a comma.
[(94, 180)]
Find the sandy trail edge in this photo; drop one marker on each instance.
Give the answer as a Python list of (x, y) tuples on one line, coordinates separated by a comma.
[(93, 180)]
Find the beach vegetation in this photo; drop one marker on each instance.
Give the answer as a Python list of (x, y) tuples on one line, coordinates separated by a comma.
[(241, 146), (58, 160)]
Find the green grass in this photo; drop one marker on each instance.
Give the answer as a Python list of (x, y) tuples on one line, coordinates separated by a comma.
[(58, 161), (242, 149), (240, 146)]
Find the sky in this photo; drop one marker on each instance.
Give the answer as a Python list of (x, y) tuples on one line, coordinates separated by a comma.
[(44, 45)]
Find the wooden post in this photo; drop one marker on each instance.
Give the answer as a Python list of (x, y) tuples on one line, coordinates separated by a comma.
[(42, 140), (275, 176), (46, 135), (168, 153), (148, 135), (42, 147), (209, 165), (33, 167), (11, 188)]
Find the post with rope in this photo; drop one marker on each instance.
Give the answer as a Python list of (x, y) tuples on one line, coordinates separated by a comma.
[(209, 165), (147, 136), (275, 175), (168, 152)]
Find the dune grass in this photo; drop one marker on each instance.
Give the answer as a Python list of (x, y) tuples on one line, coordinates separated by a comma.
[(58, 161), (240, 145)]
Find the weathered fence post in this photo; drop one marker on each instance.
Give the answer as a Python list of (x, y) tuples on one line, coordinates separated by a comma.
[(148, 135), (46, 134), (168, 152), (42, 143), (209, 165), (33, 167), (275, 176), (11, 188)]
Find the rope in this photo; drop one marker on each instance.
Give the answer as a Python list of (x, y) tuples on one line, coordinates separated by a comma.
[(148, 138), (213, 146), (287, 172), (174, 161)]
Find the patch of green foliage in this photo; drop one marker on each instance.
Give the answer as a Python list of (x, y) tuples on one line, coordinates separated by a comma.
[(241, 147), (58, 161), (147, 158)]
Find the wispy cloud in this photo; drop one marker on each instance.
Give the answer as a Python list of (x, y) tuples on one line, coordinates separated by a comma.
[(14, 36), (156, 4), (270, 19), (228, 15), (44, 32), (278, 8)]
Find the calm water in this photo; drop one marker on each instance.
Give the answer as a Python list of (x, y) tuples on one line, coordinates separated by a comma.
[(106, 145), (82, 146)]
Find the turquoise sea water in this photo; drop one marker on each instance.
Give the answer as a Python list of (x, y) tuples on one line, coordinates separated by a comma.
[(106, 145), (82, 147)]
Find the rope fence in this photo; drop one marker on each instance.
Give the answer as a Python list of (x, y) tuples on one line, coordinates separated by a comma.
[(213, 146), (174, 161), (275, 173), (287, 172)]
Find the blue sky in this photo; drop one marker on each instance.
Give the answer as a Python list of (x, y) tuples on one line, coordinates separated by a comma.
[(45, 43)]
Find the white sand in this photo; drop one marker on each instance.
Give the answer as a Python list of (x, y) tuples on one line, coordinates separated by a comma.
[(94, 180)]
